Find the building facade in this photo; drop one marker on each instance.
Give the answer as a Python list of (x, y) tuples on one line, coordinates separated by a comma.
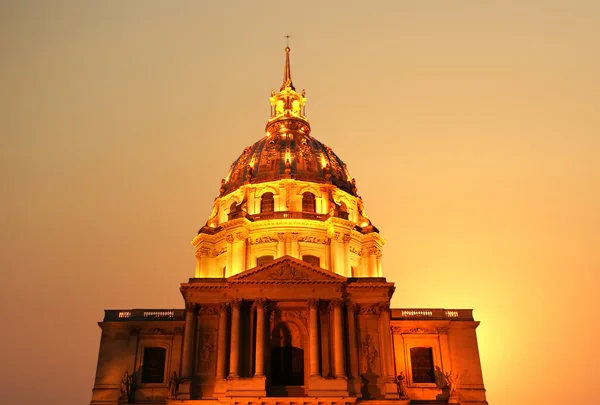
[(288, 303)]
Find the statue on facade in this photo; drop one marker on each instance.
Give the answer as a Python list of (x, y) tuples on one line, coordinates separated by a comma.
[(173, 385), (401, 384), (451, 380), (126, 382)]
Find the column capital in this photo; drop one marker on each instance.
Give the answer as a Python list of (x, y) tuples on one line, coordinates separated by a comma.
[(337, 303), (313, 303), (229, 238), (241, 235), (346, 238), (191, 306), (353, 307), (384, 307), (260, 303), (281, 236), (236, 303), (294, 236), (224, 307)]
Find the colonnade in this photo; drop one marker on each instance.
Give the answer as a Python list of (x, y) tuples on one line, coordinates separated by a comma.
[(260, 306)]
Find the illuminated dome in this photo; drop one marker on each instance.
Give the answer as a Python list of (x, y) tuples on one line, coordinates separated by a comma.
[(288, 154), (288, 195), (287, 150)]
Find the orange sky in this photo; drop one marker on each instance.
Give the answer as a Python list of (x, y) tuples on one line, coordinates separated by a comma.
[(472, 128)]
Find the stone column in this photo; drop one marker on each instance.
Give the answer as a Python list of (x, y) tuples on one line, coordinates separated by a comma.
[(280, 245), (234, 355), (187, 360), (222, 342), (295, 249), (338, 339), (229, 264), (346, 239), (373, 262), (385, 331), (328, 253), (315, 348), (352, 344), (259, 370)]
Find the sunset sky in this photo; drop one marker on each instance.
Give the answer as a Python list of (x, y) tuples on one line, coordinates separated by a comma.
[(472, 128)]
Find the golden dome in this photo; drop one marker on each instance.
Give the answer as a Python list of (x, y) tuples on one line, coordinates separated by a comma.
[(288, 151)]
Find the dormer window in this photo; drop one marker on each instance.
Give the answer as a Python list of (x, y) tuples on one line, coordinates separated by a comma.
[(267, 203), (308, 202)]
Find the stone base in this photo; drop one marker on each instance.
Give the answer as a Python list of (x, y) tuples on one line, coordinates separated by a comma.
[(220, 388), (247, 387), (327, 387), (184, 389), (390, 389)]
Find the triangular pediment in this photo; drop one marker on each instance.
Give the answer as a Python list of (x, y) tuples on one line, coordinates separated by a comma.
[(287, 269)]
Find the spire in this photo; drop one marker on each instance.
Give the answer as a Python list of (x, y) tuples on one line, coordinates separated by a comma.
[(287, 73)]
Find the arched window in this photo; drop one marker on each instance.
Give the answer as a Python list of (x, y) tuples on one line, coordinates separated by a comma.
[(310, 259), (153, 369), (263, 260), (308, 202), (267, 203), (287, 361)]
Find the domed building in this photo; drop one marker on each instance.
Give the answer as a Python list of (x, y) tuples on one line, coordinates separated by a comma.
[(288, 303)]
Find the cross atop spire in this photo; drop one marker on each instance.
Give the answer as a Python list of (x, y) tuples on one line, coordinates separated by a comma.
[(287, 73)]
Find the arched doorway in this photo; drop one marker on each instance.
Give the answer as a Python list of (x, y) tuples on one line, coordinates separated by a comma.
[(287, 362)]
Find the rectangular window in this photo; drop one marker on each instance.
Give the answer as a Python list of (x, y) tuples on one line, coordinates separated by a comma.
[(310, 259), (153, 370), (263, 260), (421, 359)]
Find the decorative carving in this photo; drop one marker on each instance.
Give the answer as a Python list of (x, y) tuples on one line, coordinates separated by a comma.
[(236, 303), (451, 380), (207, 348), (209, 310), (374, 251), (369, 310), (302, 316), (312, 239), (155, 331), (384, 307), (355, 250), (281, 237), (241, 235), (262, 239), (286, 271), (443, 330), (203, 252), (190, 306), (313, 303), (399, 330), (337, 303), (294, 236), (368, 355), (229, 238), (260, 302), (346, 238)]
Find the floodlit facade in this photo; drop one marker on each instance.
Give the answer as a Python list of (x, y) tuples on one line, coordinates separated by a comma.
[(288, 304)]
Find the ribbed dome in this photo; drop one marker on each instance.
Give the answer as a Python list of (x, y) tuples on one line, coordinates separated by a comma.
[(288, 154), (288, 151)]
